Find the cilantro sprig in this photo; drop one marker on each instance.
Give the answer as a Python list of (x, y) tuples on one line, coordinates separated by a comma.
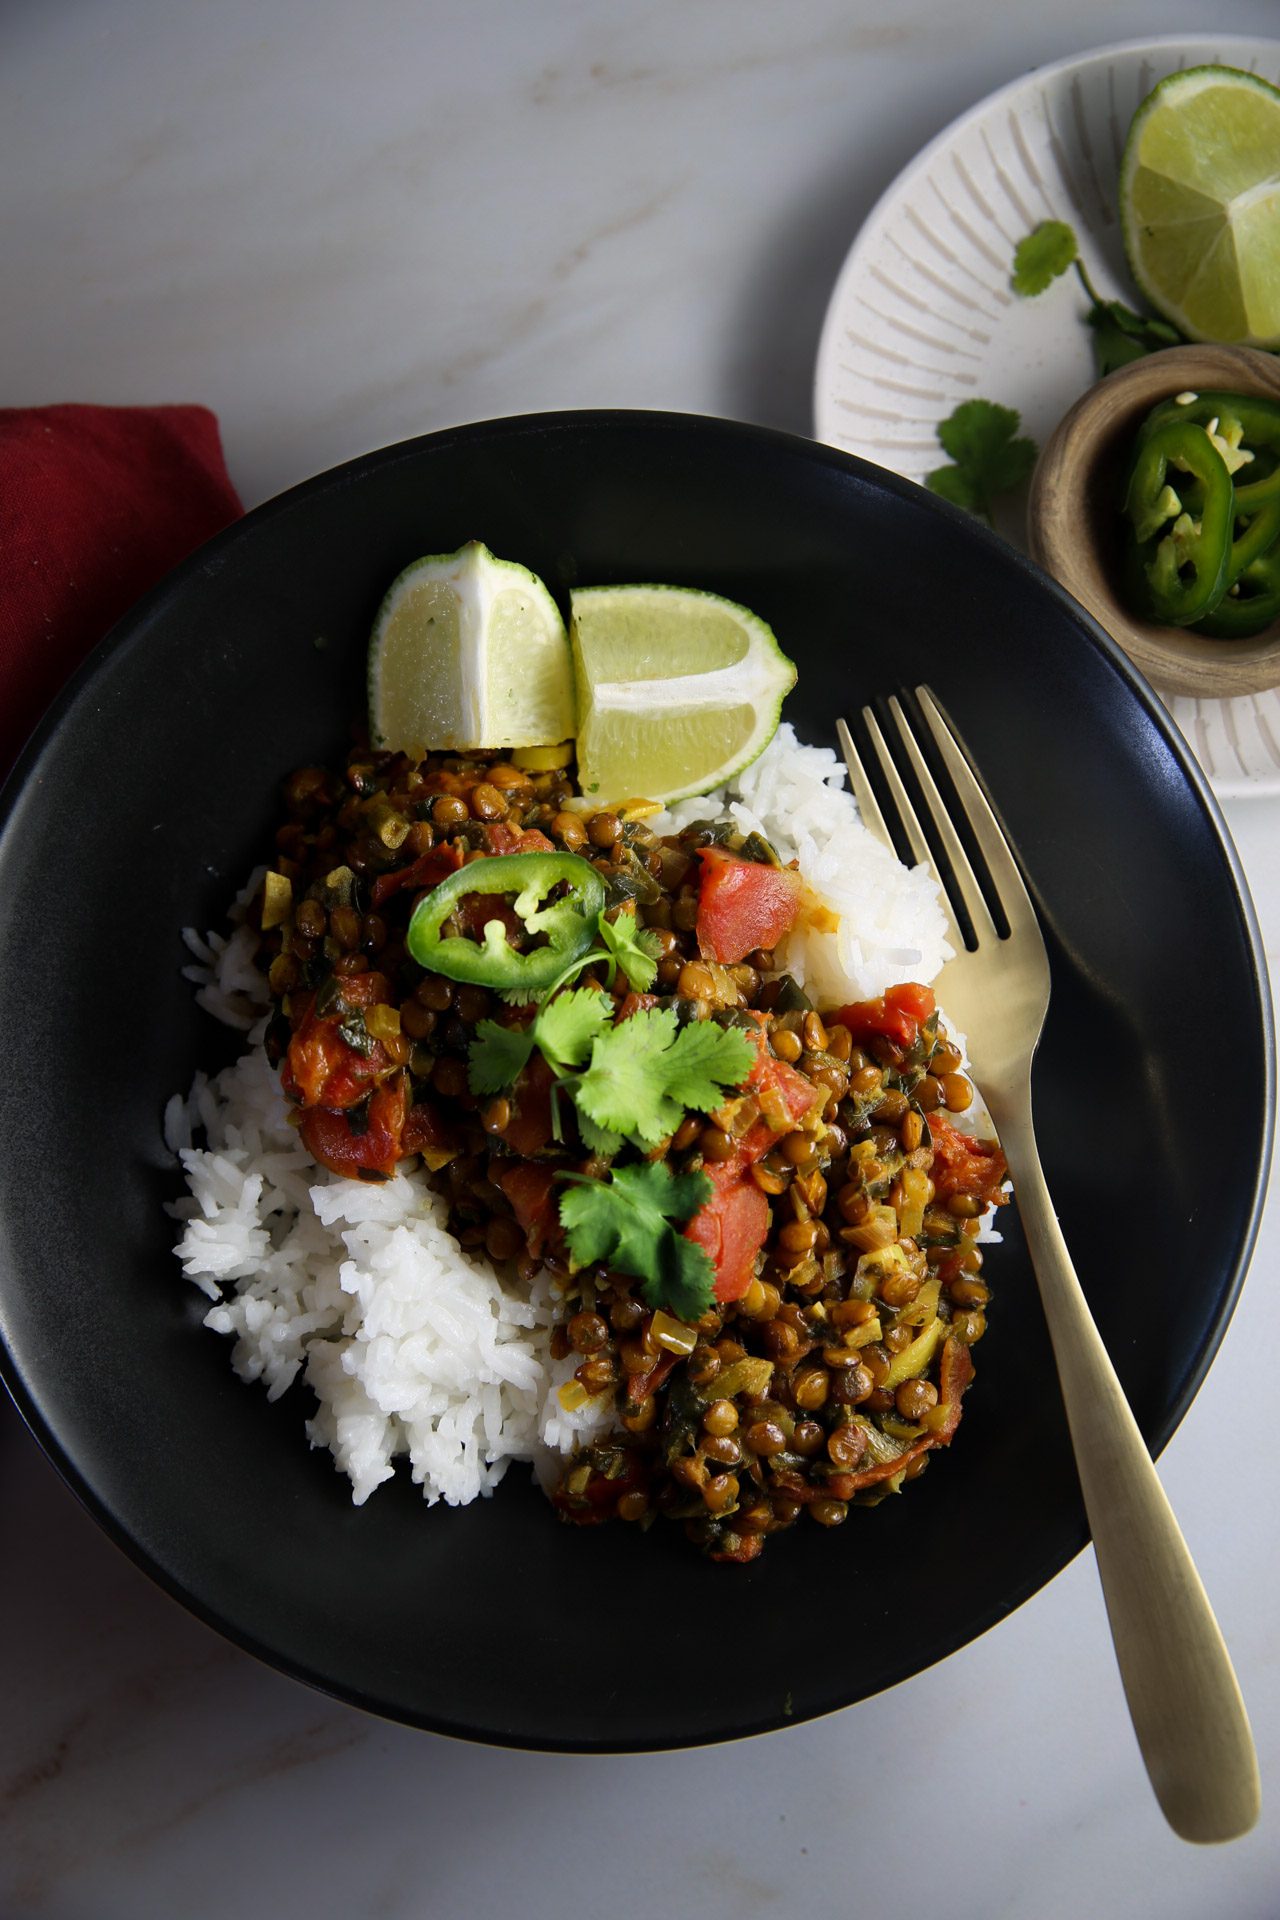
[(624, 946), (635, 951), (630, 1221), (562, 1029), (988, 459), (1120, 334), (630, 1083), (644, 1073), (636, 1078), (980, 437)]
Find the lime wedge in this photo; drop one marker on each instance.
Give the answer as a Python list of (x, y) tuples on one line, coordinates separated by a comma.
[(677, 690), (1200, 204), (468, 651)]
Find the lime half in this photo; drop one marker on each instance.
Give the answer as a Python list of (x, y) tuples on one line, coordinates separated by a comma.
[(677, 690), (468, 651), (1200, 204)]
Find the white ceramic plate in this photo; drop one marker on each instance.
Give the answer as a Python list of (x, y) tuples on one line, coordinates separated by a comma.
[(923, 317)]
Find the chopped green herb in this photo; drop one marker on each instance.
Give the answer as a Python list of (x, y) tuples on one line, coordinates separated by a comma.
[(356, 1034), (627, 1221), (979, 436), (1041, 256), (639, 1075)]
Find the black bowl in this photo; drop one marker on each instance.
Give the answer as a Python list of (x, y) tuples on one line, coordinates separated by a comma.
[(149, 792)]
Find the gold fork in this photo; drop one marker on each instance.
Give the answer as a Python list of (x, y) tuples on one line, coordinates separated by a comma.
[(1182, 1692)]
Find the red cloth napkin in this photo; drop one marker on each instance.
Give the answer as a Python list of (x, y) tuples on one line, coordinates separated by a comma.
[(96, 504)]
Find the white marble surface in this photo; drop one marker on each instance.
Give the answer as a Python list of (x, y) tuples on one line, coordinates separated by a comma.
[(339, 226)]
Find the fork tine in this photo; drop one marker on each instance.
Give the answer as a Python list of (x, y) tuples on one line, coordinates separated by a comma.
[(966, 883), (906, 812), (1007, 878), (872, 818)]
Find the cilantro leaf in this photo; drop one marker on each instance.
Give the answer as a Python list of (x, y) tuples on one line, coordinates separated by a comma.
[(498, 1056), (979, 436), (644, 1073), (624, 1088), (567, 1025), (635, 951), (522, 996), (1119, 334), (563, 1029), (599, 1140), (1113, 345), (953, 484), (626, 1221), (704, 1061), (1041, 256)]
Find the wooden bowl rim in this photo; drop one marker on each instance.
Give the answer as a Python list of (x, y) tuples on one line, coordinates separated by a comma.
[(1064, 501)]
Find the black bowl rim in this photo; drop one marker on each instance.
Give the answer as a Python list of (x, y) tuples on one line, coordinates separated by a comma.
[(131, 628)]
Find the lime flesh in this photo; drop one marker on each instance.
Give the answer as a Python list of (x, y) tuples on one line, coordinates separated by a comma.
[(1200, 204), (678, 690), (468, 651)]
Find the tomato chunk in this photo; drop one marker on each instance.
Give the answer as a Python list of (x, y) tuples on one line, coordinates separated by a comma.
[(507, 839), (428, 1132), (474, 911), (427, 871), (962, 1164), (530, 1128), (322, 1068), (897, 1014), (732, 1227), (785, 1095), (330, 1140), (532, 1192), (743, 905), (641, 1385)]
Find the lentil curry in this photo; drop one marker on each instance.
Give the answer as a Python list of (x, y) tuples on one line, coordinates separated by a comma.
[(841, 1204)]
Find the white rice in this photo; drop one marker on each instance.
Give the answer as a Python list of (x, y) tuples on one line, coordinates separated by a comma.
[(409, 1343)]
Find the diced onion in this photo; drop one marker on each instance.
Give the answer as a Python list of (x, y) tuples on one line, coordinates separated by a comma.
[(672, 1334), (380, 1022), (913, 1360), (865, 1335), (277, 901), (915, 1191)]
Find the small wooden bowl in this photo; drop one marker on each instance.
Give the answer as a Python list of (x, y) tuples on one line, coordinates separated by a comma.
[(1075, 525)]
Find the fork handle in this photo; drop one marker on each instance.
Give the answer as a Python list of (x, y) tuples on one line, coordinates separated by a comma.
[(1183, 1696)]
